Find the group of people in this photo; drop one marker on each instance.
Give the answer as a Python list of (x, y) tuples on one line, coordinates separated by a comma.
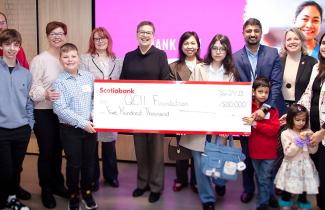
[(57, 95)]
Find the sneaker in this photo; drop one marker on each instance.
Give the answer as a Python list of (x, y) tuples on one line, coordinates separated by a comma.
[(304, 206), (74, 202), (285, 205), (15, 204), (88, 200)]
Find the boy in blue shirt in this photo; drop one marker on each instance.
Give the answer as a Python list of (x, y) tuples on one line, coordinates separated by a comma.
[(16, 118), (78, 136)]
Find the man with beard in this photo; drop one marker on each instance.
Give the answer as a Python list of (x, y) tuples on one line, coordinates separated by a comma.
[(252, 61)]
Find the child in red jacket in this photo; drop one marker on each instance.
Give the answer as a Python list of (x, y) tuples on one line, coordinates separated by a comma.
[(263, 142)]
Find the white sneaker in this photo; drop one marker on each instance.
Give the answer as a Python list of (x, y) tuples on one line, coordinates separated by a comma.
[(15, 204)]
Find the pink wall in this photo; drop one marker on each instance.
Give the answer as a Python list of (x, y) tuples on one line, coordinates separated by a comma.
[(171, 19)]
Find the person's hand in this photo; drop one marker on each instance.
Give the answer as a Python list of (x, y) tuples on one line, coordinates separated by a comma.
[(224, 135), (248, 121), (90, 127), (52, 95), (283, 120), (258, 115), (317, 137), (304, 134)]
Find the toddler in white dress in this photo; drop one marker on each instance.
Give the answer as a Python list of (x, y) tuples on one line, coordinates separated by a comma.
[(297, 174)]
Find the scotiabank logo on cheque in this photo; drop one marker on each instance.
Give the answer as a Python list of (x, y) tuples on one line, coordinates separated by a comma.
[(116, 90)]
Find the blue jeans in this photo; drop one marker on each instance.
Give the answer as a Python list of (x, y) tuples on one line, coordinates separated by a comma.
[(263, 170), (204, 183)]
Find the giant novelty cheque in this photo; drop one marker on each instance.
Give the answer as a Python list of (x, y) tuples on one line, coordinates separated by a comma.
[(172, 107)]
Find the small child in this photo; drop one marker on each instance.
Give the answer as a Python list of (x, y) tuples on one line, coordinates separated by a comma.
[(78, 136), (16, 118), (262, 143), (297, 174)]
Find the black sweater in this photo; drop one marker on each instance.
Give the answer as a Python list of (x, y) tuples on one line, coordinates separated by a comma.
[(151, 66)]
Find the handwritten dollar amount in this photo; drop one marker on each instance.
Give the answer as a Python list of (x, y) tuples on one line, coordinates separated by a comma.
[(233, 104)]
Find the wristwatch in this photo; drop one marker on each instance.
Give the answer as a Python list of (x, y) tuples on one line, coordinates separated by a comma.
[(265, 108)]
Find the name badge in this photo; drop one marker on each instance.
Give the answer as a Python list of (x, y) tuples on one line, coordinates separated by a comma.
[(86, 88)]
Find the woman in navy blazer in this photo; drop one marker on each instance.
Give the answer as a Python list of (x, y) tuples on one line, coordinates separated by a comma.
[(297, 66)]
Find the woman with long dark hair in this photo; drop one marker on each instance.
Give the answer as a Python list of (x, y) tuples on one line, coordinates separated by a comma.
[(189, 57), (218, 65)]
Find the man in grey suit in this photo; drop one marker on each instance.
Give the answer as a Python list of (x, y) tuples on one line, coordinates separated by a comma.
[(252, 61)]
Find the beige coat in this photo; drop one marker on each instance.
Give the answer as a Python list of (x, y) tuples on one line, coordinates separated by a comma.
[(197, 142)]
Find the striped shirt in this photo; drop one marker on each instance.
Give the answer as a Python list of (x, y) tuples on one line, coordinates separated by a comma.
[(75, 103)]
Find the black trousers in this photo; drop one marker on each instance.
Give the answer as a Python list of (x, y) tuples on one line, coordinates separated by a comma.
[(49, 162), (321, 171), (13, 146), (182, 168), (248, 173), (110, 171), (79, 147)]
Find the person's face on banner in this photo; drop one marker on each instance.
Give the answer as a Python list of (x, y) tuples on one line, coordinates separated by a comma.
[(309, 22), (322, 47), (145, 36), (252, 34), (292, 42)]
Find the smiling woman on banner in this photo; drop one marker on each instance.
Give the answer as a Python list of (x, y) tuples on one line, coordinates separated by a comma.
[(100, 60), (308, 18)]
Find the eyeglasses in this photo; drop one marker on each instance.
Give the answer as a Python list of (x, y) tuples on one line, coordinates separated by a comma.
[(60, 34), (220, 49), (100, 39), (142, 33)]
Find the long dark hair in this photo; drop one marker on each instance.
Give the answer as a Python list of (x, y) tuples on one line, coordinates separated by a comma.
[(185, 36), (293, 111), (321, 59), (228, 62)]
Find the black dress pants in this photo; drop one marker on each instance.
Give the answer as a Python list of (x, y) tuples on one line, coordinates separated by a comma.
[(13, 146), (49, 162), (79, 147)]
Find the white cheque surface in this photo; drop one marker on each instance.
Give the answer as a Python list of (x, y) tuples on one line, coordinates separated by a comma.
[(170, 107)]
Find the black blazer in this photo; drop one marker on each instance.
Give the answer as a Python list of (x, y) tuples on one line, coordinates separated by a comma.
[(303, 75)]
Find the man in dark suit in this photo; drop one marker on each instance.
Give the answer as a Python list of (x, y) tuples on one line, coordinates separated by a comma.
[(252, 61)]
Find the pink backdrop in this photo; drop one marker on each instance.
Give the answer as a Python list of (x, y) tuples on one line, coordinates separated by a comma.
[(171, 18)]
